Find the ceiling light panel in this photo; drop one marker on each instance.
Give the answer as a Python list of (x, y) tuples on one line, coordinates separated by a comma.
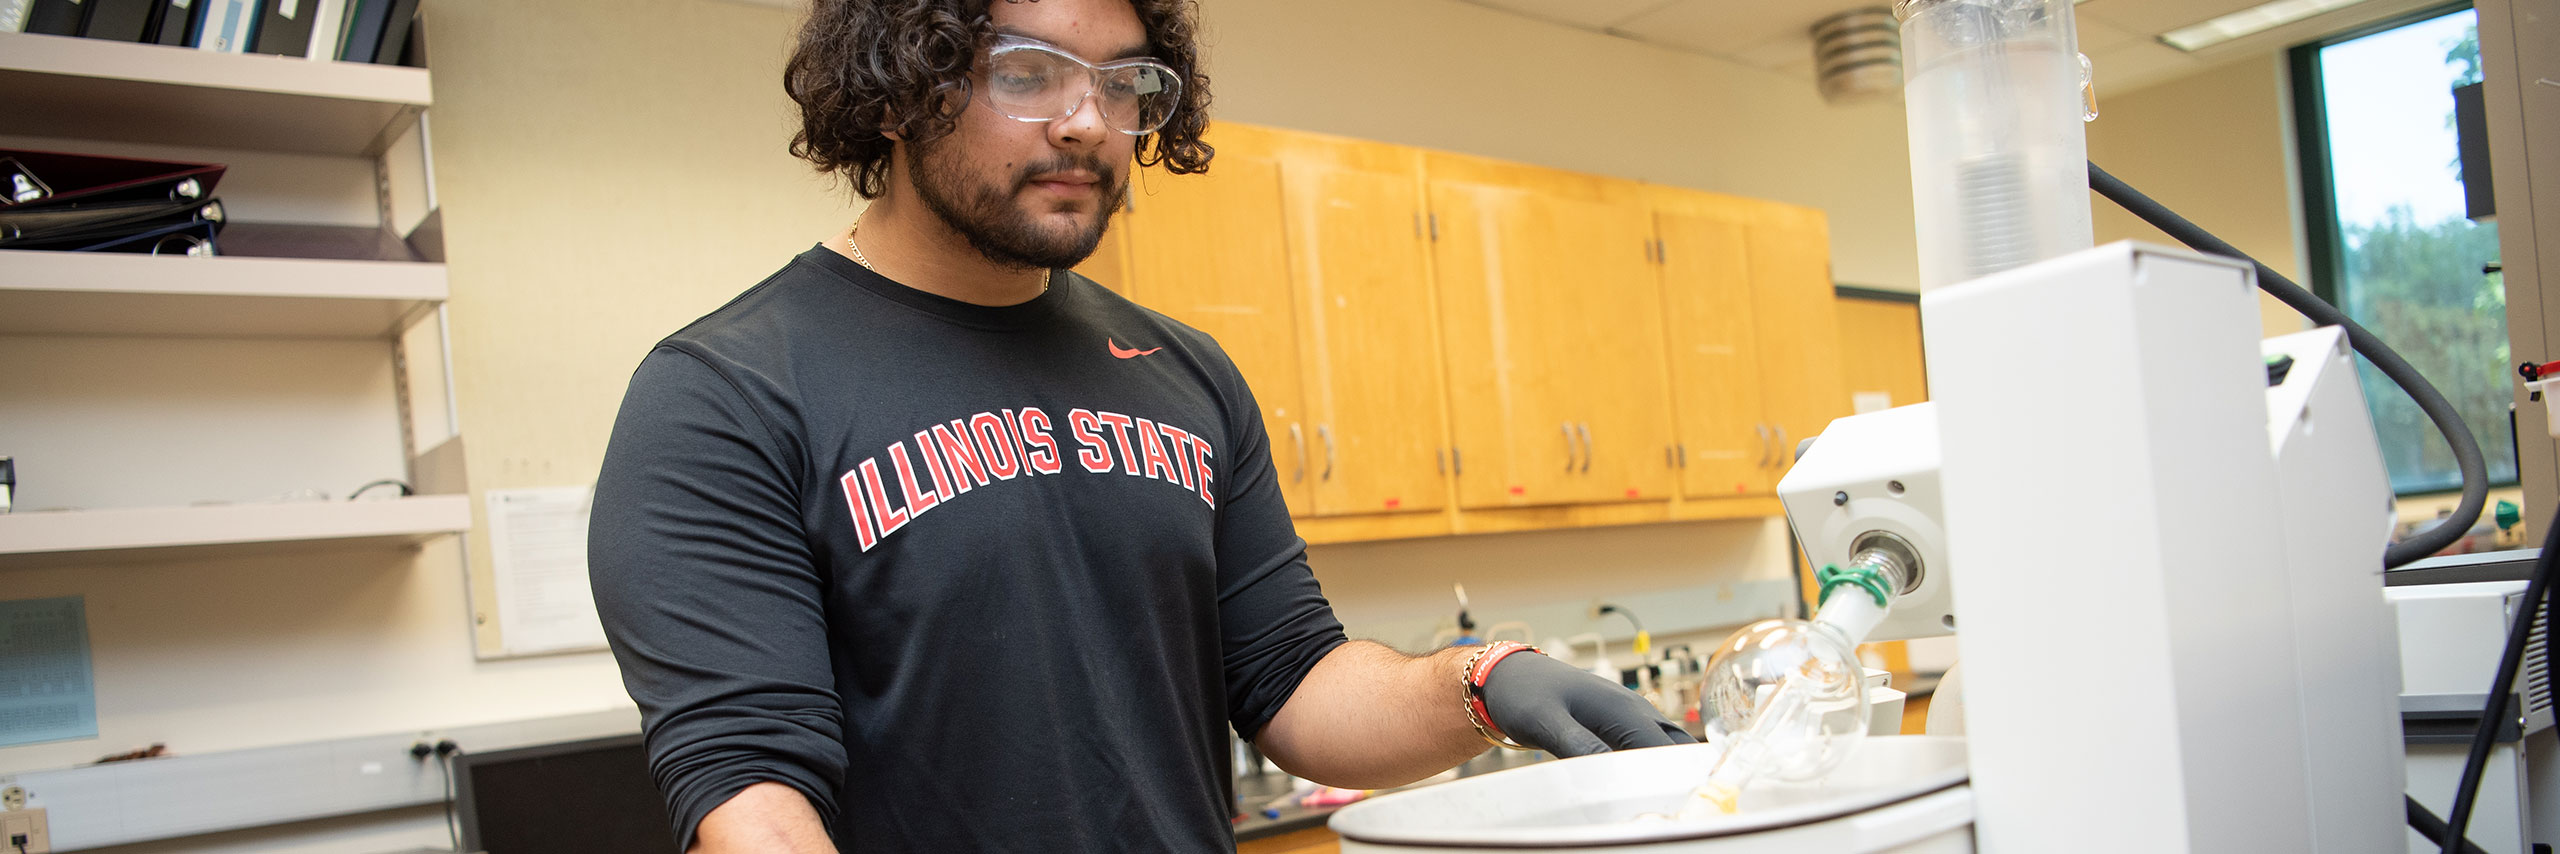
[(1587, 14), (2248, 22)]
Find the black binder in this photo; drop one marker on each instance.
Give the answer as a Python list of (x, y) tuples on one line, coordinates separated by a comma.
[(117, 20), (173, 22), (395, 31), (285, 27), (73, 226), (365, 19), (55, 17), (195, 237)]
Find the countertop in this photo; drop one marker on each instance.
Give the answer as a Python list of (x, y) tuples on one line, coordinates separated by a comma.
[(1254, 790)]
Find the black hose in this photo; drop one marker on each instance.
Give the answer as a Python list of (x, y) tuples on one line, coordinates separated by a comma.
[(2429, 826), (2466, 448), (2527, 613)]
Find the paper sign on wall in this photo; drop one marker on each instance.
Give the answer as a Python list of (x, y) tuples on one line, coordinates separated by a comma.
[(47, 691), (538, 551), (1870, 401)]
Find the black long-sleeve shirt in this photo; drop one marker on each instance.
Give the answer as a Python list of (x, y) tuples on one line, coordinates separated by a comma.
[(968, 577)]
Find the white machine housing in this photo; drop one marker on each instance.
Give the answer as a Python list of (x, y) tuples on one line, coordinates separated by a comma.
[(2337, 520), (1877, 473), (2131, 484), (2451, 637)]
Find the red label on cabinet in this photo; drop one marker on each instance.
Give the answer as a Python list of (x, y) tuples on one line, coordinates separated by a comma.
[(1393, 503), (1631, 492), (1519, 490)]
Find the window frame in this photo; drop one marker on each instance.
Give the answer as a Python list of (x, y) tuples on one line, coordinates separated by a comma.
[(2324, 237)]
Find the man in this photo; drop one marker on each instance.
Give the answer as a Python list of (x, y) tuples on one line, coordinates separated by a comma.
[(927, 544)]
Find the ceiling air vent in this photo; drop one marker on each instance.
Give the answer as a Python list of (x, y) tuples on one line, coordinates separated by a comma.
[(1858, 54)]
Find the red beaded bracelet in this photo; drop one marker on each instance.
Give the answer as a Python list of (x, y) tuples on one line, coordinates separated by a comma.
[(1471, 683)]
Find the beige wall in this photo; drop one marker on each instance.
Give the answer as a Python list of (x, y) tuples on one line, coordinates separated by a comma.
[(2218, 149), (609, 171)]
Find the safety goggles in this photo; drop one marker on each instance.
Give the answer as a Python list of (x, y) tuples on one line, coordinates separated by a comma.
[(1030, 81)]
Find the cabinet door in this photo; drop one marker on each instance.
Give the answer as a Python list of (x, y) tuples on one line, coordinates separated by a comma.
[(1510, 425), (1880, 347), (1208, 250), (1609, 354), (1372, 353), (1725, 444), (1801, 387), (1550, 317)]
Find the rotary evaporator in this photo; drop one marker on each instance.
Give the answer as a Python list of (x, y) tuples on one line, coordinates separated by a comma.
[(2157, 539)]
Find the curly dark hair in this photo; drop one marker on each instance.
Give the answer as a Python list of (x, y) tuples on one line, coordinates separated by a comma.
[(864, 69)]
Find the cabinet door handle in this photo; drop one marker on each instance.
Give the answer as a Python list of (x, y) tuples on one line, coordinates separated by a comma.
[(1300, 438), (1786, 451), (1684, 454), (1667, 460), (1568, 447), (1457, 464), (1586, 447), (1440, 460), (1325, 432), (1763, 430)]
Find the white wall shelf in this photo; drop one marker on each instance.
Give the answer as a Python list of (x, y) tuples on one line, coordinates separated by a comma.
[(93, 89), (160, 534), (93, 293)]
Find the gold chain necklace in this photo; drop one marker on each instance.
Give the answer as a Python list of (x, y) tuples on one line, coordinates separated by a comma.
[(1045, 275)]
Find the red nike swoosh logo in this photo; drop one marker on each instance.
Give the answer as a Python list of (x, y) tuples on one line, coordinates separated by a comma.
[(1126, 353)]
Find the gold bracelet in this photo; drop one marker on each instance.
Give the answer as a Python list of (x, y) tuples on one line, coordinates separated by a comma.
[(1471, 690)]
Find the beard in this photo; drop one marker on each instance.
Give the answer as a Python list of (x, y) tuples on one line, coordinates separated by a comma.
[(986, 214)]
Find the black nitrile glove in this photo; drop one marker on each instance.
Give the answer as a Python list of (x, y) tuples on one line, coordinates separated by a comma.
[(1552, 706)]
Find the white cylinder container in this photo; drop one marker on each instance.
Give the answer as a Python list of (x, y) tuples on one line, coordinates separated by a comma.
[(1993, 96), (1896, 794)]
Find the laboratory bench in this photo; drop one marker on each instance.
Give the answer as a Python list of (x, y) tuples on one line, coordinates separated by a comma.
[(1255, 790), (1298, 830)]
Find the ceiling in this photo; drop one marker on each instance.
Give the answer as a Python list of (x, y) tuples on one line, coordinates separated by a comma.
[(2121, 37)]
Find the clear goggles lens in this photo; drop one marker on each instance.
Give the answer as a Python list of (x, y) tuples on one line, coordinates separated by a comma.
[(1035, 83)]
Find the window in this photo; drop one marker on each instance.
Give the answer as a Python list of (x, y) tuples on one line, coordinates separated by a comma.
[(2389, 240)]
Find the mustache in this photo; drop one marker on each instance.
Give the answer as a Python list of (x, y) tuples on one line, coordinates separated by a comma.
[(1102, 172)]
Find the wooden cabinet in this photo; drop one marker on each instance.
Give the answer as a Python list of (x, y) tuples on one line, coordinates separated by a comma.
[(1368, 353), (1548, 312), (1210, 250), (1754, 337), (1443, 343), (1724, 443), (1880, 346), (1801, 387), (1305, 257)]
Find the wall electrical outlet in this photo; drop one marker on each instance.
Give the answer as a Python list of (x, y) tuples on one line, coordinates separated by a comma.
[(24, 830)]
